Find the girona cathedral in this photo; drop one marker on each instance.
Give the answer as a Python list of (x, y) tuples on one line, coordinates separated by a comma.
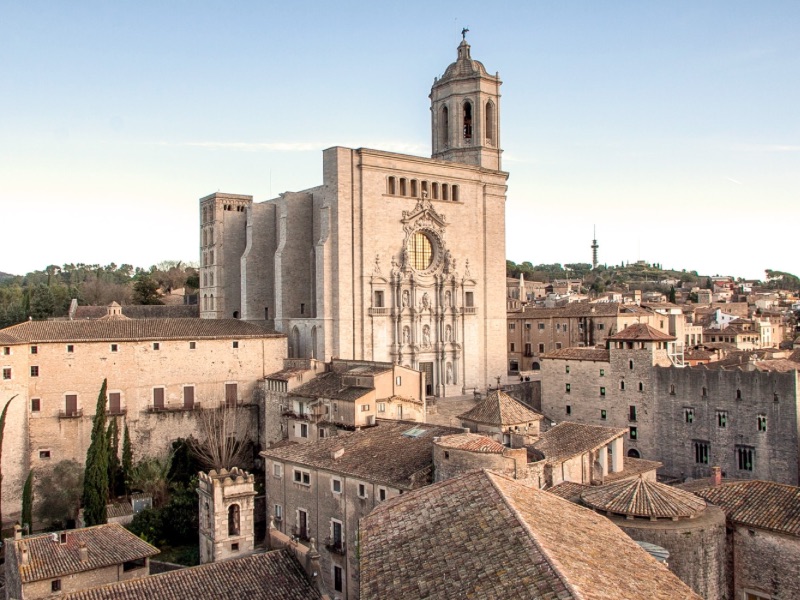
[(393, 258)]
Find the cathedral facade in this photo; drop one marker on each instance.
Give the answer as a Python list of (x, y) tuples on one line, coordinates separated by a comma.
[(393, 258)]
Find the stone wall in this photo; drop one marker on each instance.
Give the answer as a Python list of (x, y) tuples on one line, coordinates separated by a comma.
[(765, 562)]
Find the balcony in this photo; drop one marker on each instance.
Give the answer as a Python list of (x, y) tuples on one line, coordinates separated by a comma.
[(300, 533), (379, 311), (117, 412), (76, 413), (335, 546), (469, 310), (293, 415)]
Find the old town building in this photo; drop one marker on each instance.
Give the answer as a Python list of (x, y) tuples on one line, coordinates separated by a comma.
[(160, 373), (393, 258)]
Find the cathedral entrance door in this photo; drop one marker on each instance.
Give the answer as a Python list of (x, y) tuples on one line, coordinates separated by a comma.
[(427, 368)]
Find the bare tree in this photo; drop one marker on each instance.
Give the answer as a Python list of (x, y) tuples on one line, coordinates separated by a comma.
[(224, 435)]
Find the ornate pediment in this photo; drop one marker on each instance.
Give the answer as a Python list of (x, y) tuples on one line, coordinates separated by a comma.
[(423, 216)]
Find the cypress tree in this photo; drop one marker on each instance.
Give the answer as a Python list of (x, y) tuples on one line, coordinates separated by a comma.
[(2, 429), (127, 459), (112, 436), (27, 502), (95, 479)]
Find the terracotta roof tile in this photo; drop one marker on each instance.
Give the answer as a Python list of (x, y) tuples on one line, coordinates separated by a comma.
[(136, 311), (639, 497), (273, 575), (135, 330), (472, 442), (631, 467), (568, 439), (642, 332), (583, 309), (483, 535), (569, 490), (383, 454), (107, 545), (331, 386), (762, 504), (501, 410)]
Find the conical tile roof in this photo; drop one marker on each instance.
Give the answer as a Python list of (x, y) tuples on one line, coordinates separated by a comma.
[(640, 497), (500, 409)]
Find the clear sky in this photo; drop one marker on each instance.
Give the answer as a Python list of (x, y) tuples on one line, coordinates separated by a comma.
[(674, 127)]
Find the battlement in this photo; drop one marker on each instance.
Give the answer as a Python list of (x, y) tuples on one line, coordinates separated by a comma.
[(227, 484)]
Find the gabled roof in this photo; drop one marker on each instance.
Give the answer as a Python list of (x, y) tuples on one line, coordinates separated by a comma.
[(106, 545), (482, 535), (568, 439), (272, 575), (331, 386), (395, 453), (134, 330), (639, 497), (762, 504), (642, 332), (500, 409)]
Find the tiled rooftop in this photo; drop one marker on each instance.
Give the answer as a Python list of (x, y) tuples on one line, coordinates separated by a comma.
[(134, 330), (501, 410), (483, 535), (632, 467), (330, 385), (472, 442), (639, 497), (594, 354), (267, 576), (762, 504), (106, 545), (583, 309), (569, 490), (384, 454), (642, 332), (568, 439), (136, 311)]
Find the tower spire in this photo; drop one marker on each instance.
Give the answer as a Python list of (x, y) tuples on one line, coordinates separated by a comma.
[(595, 246)]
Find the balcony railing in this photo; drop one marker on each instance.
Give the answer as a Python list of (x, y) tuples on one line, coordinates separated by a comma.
[(335, 546), (470, 310), (70, 414), (301, 533), (117, 412), (379, 311)]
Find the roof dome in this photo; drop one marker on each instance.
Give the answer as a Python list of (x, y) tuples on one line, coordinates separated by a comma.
[(642, 498), (464, 67)]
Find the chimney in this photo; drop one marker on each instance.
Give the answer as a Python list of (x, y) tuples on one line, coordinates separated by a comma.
[(83, 552), (17, 532), (23, 552), (337, 454), (716, 475)]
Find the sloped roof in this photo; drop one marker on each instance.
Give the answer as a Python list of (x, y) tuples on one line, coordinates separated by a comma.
[(272, 575), (639, 497), (568, 439), (141, 311), (471, 442), (584, 309), (134, 330), (500, 409), (762, 504), (384, 454), (330, 385), (483, 535), (642, 332), (107, 545)]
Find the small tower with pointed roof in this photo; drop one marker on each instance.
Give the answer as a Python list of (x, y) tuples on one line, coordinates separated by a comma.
[(465, 113)]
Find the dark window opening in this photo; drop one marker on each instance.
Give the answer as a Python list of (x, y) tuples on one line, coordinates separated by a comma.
[(233, 519), (467, 120), (158, 398), (55, 585), (36, 404), (132, 565), (569, 410), (631, 413), (231, 394)]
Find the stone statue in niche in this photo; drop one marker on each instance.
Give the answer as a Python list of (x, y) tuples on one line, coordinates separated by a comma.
[(448, 334), (425, 302), (447, 261), (405, 298), (406, 335), (449, 372), (447, 299), (426, 336)]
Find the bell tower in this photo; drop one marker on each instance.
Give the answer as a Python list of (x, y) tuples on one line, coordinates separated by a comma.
[(465, 113)]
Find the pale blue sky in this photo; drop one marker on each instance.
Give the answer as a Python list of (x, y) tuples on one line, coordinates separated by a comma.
[(672, 126)]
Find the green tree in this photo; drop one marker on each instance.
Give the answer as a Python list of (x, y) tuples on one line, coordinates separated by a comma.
[(27, 502), (116, 485), (2, 429), (127, 459), (59, 493), (95, 480), (671, 296), (151, 476), (145, 290), (42, 303)]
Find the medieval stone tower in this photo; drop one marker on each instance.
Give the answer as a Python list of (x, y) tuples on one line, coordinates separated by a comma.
[(393, 258), (226, 514)]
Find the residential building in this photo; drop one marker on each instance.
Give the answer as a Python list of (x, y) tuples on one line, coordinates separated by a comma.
[(160, 373), (53, 564), (393, 258), (321, 490), (484, 535)]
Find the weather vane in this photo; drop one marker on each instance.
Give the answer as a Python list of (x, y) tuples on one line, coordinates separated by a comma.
[(464, 33)]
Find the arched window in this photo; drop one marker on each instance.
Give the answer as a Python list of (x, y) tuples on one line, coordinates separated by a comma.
[(641, 386), (535, 366), (454, 193), (205, 301), (205, 237), (205, 279), (211, 257), (211, 300), (236, 314), (233, 519), (630, 364), (391, 187), (489, 123), (444, 127), (467, 120), (209, 522), (435, 187), (414, 188), (403, 186), (211, 279), (294, 345), (633, 453), (445, 192), (314, 342), (622, 385)]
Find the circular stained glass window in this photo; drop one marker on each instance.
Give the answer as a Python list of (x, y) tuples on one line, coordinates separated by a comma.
[(420, 251)]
